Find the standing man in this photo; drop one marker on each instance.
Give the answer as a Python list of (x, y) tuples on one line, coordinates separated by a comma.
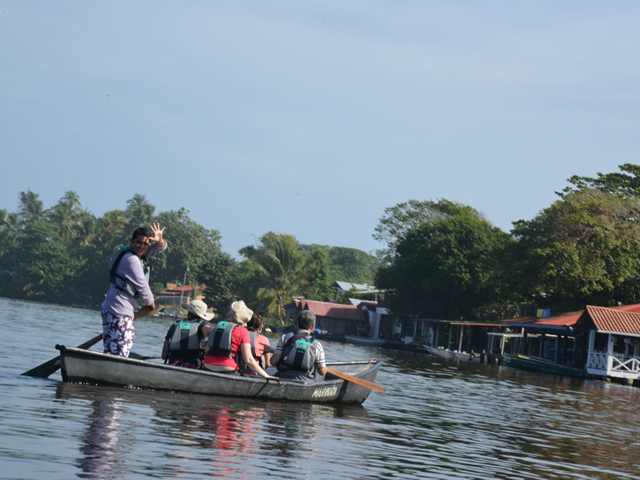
[(129, 273), (299, 356)]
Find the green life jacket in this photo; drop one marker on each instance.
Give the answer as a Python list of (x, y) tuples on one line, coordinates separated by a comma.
[(220, 340), (128, 288), (298, 353), (186, 336)]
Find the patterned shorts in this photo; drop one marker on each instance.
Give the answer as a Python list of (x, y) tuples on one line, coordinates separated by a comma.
[(118, 334)]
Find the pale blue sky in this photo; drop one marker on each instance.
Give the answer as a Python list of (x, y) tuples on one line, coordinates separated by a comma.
[(310, 118)]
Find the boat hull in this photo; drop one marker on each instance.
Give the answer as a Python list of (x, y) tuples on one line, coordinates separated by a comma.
[(441, 352), (83, 366), (370, 342), (544, 366)]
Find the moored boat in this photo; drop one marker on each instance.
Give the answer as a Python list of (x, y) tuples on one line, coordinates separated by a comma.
[(541, 365), (452, 355), (370, 342), (84, 366)]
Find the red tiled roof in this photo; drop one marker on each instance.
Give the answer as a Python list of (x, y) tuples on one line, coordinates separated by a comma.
[(334, 310), (635, 308), (616, 319), (565, 321)]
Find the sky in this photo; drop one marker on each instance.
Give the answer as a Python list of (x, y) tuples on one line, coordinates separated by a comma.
[(310, 118)]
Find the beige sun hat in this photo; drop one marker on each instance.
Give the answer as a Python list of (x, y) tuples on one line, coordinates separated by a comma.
[(199, 308), (239, 313)]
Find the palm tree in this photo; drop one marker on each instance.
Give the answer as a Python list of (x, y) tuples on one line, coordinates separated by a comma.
[(139, 212), (281, 265), (9, 227), (73, 199), (85, 227), (113, 224), (30, 208), (66, 215), (62, 216)]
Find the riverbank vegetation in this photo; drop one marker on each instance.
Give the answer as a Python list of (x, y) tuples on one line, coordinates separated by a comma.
[(439, 259), (60, 255), (445, 260)]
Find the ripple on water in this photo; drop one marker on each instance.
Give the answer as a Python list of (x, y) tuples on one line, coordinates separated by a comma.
[(438, 419)]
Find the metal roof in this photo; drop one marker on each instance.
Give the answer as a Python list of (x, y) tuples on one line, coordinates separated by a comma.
[(360, 287), (333, 310), (615, 320)]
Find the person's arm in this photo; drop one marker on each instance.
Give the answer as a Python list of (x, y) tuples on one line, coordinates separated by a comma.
[(266, 349), (167, 338), (277, 355), (321, 367), (267, 359), (245, 348), (275, 358), (165, 350)]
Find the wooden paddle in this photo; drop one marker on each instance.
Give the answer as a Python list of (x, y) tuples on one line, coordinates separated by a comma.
[(137, 356), (50, 367), (358, 381), (144, 311)]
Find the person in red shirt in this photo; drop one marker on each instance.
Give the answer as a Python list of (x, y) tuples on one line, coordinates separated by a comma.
[(260, 346), (229, 340)]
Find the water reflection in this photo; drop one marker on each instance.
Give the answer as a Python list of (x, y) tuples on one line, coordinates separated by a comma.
[(438, 419), (221, 437), (101, 447)]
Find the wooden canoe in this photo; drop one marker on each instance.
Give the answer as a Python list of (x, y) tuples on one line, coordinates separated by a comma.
[(84, 366)]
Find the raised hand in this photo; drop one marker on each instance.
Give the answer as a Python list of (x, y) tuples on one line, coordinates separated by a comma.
[(157, 232)]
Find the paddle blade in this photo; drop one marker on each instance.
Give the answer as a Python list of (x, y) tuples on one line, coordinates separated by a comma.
[(46, 369), (53, 365), (137, 356), (144, 311), (358, 381)]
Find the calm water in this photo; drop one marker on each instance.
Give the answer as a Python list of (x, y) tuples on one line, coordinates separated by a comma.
[(437, 420)]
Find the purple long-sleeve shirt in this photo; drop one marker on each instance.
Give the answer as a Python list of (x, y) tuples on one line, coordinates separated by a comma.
[(130, 267)]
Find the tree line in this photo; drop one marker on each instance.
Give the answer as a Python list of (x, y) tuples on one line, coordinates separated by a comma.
[(440, 259), (445, 260), (60, 255)]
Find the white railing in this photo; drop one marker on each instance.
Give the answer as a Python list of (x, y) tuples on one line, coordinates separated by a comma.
[(597, 361), (631, 365), (613, 363)]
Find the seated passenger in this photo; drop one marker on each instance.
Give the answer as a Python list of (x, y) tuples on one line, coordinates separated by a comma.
[(298, 355), (260, 347), (183, 344), (228, 340)]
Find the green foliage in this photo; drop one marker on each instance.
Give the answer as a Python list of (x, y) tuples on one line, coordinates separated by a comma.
[(61, 255), (36, 265), (581, 250), (318, 276), (196, 251), (626, 184), (441, 259), (139, 213), (348, 264), (30, 208), (398, 220), (279, 266), (447, 267)]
